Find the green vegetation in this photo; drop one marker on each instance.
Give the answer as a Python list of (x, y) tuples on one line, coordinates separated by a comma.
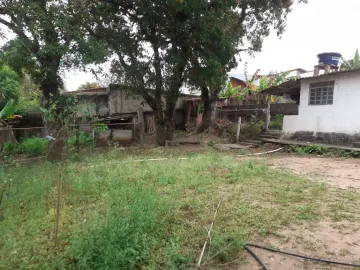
[(85, 139), (9, 91), (320, 150), (89, 85), (118, 214), (352, 63), (276, 122), (30, 146)]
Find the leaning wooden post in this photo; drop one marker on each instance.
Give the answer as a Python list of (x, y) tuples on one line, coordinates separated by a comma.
[(238, 130), (268, 113), (58, 201)]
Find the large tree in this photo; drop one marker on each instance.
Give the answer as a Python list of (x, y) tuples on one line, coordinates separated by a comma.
[(47, 41), (153, 42), (243, 29), (160, 44)]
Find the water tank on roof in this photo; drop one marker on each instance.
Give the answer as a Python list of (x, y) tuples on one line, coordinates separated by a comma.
[(329, 58)]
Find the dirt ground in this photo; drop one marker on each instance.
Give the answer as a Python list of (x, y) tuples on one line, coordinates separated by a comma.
[(338, 172), (338, 241)]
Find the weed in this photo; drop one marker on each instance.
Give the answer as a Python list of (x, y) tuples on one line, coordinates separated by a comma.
[(320, 150), (308, 149), (276, 122), (85, 139), (119, 214), (135, 227), (31, 146)]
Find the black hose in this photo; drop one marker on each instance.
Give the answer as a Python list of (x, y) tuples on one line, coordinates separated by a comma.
[(300, 256), (256, 257)]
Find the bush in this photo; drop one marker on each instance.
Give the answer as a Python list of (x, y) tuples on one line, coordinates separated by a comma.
[(85, 139), (251, 130), (350, 153), (31, 146), (225, 128), (277, 122), (319, 150), (308, 149)]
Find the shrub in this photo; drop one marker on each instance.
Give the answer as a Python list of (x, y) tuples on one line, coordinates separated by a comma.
[(85, 139), (319, 150), (30, 146), (350, 153), (276, 122), (225, 128), (308, 149), (251, 129)]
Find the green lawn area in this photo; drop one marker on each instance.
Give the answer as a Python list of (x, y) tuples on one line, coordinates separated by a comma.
[(119, 214)]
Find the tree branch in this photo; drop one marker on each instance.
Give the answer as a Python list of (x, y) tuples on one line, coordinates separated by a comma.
[(243, 13), (29, 43)]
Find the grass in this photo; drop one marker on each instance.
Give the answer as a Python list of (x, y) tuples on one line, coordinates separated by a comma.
[(119, 214)]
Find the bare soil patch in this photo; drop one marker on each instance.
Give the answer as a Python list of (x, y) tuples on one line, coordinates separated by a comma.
[(338, 241), (338, 172), (327, 239)]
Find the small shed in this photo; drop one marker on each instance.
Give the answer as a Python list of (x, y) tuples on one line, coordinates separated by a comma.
[(328, 108)]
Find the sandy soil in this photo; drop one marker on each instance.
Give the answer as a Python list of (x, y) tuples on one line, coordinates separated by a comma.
[(338, 172), (338, 241)]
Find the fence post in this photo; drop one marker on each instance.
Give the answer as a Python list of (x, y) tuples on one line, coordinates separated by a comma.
[(238, 130), (268, 113)]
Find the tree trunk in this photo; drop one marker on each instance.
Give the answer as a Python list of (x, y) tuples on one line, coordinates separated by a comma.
[(169, 129), (209, 106), (164, 125)]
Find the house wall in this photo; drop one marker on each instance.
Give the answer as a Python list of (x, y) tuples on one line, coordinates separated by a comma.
[(121, 102), (337, 123), (116, 101)]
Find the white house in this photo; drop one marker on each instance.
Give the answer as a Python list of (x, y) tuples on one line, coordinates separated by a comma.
[(329, 108)]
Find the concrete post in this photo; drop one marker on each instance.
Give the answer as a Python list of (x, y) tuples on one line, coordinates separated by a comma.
[(268, 116), (238, 130)]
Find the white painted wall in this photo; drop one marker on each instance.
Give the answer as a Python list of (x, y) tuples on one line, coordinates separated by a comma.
[(343, 116)]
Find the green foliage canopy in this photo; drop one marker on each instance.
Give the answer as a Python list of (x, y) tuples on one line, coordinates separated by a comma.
[(89, 85), (352, 63), (48, 41)]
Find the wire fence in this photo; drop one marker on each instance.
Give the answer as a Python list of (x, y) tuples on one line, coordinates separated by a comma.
[(122, 132)]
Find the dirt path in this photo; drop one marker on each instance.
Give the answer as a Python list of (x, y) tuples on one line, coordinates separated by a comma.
[(338, 172)]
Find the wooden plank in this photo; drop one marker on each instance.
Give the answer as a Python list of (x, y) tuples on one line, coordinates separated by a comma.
[(244, 110), (293, 142)]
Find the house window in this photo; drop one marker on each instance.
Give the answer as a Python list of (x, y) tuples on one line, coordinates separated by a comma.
[(321, 93)]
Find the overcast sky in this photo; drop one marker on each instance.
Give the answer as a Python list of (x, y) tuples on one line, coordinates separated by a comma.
[(313, 28)]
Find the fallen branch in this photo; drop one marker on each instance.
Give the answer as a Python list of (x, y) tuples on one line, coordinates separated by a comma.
[(198, 265)]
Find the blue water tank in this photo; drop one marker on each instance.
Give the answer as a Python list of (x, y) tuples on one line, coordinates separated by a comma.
[(329, 58)]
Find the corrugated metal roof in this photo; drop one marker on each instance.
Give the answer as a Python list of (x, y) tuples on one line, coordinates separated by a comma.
[(90, 91), (287, 87)]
